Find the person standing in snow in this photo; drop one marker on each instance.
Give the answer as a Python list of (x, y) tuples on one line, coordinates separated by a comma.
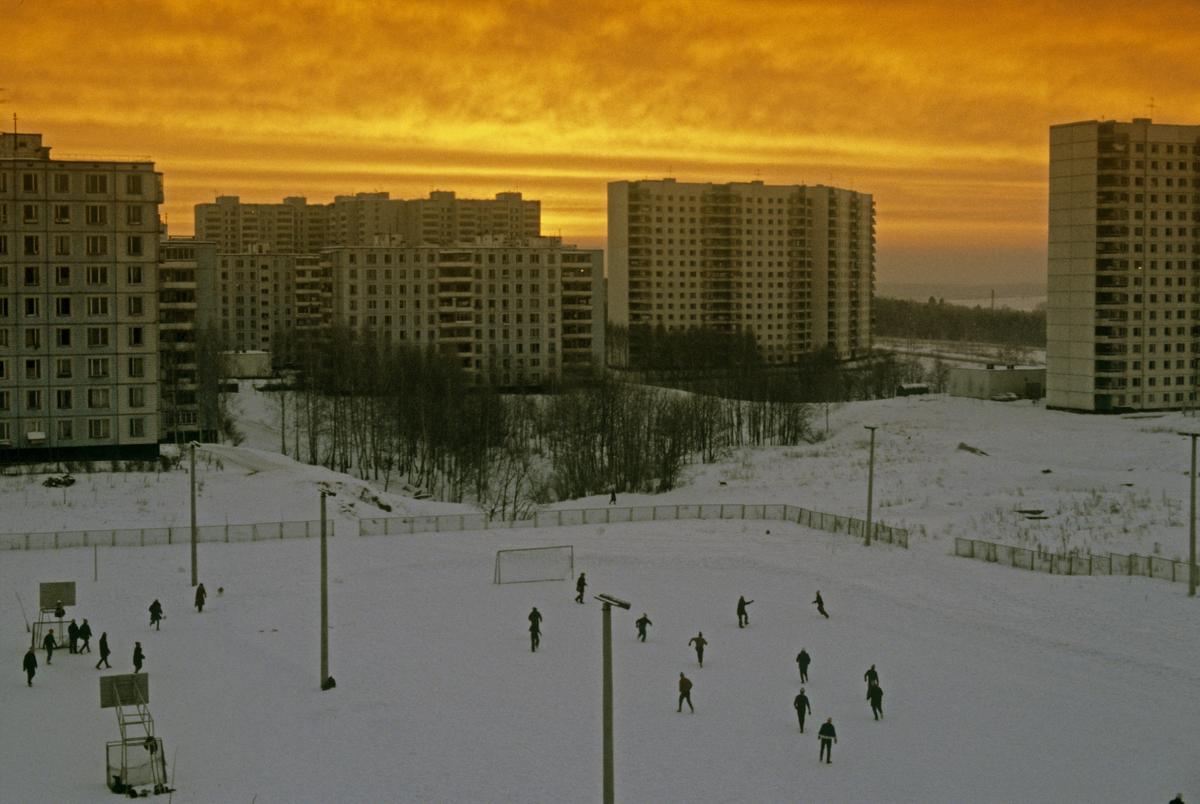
[(699, 641), (803, 659), (820, 604), (72, 638), (580, 585), (30, 666), (156, 614), (827, 736), (138, 657), (802, 707), (104, 651), (641, 623), (535, 629), (201, 596), (612, 498), (685, 693), (743, 617), (871, 677), (85, 637), (49, 643), (875, 696)]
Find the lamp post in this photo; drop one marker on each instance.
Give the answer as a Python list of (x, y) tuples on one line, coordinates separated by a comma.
[(609, 601), (324, 596), (195, 530), (1192, 521), (870, 481)]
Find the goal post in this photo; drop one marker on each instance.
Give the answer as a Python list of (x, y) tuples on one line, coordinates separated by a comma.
[(530, 564)]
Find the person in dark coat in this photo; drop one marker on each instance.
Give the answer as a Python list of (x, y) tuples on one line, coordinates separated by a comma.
[(802, 707), (156, 614), (612, 498), (30, 666), (72, 638), (49, 643), (803, 660), (699, 641), (827, 736), (59, 611), (104, 651), (871, 677), (820, 604), (85, 637), (201, 596), (138, 657), (875, 696), (1177, 800), (641, 623), (579, 587), (685, 693), (743, 617), (535, 629)]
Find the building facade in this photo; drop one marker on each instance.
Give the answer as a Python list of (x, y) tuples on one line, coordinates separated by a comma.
[(187, 315), (512, 313), (794, 265), (1123, 309), (78, 305)]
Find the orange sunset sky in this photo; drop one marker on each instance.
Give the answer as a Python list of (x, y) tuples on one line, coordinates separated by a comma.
[(941, 110)]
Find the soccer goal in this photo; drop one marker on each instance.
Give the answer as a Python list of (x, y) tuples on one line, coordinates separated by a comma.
[(527, 564)]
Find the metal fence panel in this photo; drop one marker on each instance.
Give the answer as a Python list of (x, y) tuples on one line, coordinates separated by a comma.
[(75, 538), (667, 512), (1161, 568), (424, 524), (596, 516), (239, 533), (12, 541), (570, 517), (774, 512), (473, 521), (753, 512), (641, 514), (964, 548), (296, 530), (710, 511), (621, 515)]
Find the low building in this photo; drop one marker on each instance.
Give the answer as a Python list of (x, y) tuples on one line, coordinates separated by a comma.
[(991, 381)]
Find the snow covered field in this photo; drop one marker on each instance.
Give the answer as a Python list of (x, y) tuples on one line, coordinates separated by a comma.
[(1000, 685)]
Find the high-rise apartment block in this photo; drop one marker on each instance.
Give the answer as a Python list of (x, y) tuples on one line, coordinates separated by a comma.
[(270, 302), (78, 283), (513, 313), (1123, 306), (186, 312), (793, 265), (297, 227)]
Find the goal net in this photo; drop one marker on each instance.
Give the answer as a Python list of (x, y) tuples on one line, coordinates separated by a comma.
[(526, 564)]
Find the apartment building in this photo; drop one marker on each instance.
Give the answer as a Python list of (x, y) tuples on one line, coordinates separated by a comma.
[(78, 305), (1123, 306), (513, 313), (792, 264), (187, 317), (298, 227)]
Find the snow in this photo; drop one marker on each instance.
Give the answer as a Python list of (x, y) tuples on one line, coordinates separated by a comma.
[(1000, 685)]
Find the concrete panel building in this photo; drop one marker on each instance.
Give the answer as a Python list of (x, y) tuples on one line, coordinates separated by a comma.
[(792, 264), (514, 313), (78, 305), (1124, 246), (187, 313)]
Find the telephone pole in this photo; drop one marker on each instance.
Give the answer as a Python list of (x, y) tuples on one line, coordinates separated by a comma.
[(870, 482)]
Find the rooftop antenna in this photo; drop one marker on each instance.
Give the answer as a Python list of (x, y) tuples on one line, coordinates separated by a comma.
[(1150, 106)]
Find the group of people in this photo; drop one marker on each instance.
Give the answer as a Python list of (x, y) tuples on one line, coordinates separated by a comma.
[(79, 638), (827, 735)]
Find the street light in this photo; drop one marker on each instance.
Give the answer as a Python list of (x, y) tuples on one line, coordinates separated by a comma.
[(609, 601), (1192, 521), (324, 597), (195, 530), (870, 481)]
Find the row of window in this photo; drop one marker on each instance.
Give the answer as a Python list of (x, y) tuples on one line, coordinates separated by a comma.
[(95, 306), (94, 245), (93, 214), (64, 398), (95, 275), (97, 337), (97, 430), (93, 183), (98, 368)]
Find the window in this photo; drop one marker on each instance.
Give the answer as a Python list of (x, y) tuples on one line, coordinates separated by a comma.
[(3, 308), (3, 338), (62, 399), (33, 400), (29, 182), (134, 274), (97, 274), (99, 398), (98, 428), (97, 367), (63, 368), (137, 396), (137, 336), (62, 275), (66, 430), (133, 245), (62, 306), (29, 213), (63, 336), (97, 336), (137, 427), (133, 214), (33, 245), (62, 245), (97, 305), (4, 400), (97, 245), (33, 306), (3, 244), (135, 304), (5, 433), (96, 214), (3, 369), (62, 182), (96, 183), (133, 184), (137, 367)]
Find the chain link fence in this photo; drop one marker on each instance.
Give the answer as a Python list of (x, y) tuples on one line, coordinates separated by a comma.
[(181, 534), (1060, 564)]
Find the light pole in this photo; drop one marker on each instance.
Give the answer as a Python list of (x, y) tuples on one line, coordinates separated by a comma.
[(195, 530), (1192, 522), (324, 597), (609, 601), (870, 481)]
